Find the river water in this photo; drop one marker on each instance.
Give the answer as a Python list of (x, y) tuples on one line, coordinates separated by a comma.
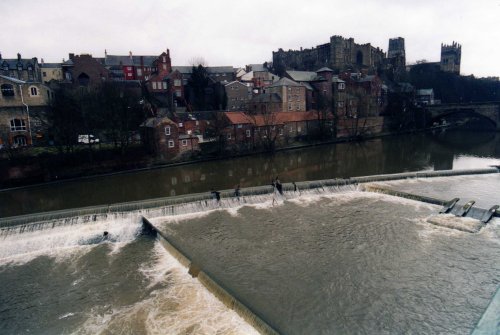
[(438, 151), (346, 262)]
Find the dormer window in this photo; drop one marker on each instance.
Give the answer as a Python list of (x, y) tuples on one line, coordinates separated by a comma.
[(19, 67), (6, 67)]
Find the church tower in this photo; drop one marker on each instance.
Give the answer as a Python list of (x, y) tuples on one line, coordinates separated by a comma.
[(450, 57)]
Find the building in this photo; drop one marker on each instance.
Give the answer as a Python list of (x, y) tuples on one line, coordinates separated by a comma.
[(84, 70), (164, 138), (265, 103), (51, 71), (22, 111), (450, 57), (137, 67), (425, 96), (238, 96), (20, 68), (339, 54), (291, 93)]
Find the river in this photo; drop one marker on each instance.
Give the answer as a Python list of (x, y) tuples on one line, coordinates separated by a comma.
[(441, 150), (333, 262)]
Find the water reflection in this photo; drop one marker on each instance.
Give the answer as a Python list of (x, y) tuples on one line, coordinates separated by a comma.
[(384, 155)]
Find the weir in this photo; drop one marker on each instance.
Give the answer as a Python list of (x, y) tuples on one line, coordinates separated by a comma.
[(194, 203), (212, 286)]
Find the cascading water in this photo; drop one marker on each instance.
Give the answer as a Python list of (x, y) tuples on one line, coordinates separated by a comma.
[(350, 258)]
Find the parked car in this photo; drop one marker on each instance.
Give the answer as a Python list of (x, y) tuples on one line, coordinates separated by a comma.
[(86, 139)]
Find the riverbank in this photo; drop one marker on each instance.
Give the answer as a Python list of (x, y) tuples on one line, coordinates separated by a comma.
[(36, 174)]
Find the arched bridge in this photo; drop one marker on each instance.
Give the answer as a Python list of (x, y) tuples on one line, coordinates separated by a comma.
[(488, 110)]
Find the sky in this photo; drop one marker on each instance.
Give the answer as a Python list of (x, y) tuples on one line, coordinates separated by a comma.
[(240, 32)]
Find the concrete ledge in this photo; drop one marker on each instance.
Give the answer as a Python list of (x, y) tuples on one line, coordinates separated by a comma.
[(211, 285)]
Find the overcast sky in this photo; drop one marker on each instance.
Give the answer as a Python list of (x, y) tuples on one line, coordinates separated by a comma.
[(239, 32)]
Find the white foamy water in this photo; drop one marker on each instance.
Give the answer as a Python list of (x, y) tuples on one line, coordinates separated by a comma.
[(64, 241), (181, 306)]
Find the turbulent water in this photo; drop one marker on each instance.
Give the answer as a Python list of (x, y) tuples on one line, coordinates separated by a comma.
[(68, 280), (347, 263), (326, 261)]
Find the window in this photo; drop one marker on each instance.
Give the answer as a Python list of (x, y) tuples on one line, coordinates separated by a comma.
[(178, 93), (33, 91), (184, 143), (164, 59), (154, 85), (129, 74), (249, 133), (281, 131), (17, 125), (164, 85), (20, 140), (167, 130), (240, 126), (129, 68), (164, 66), (7, 90), (171, 143), (44, 74), (341, 104), (139, 72), (228, 136), (341, 86), (299, 129), (181, 125), (177, 82)]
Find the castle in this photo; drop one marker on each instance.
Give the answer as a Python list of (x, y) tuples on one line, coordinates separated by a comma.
[(342, 54)]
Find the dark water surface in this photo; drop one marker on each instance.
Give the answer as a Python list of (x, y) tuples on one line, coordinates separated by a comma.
[(438, 151)]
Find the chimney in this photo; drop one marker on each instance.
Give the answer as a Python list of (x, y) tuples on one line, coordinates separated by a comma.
[(130, 54), (71, 56), (18, 56), (0, 56), (168, 53), (41, 60), (105, 53)]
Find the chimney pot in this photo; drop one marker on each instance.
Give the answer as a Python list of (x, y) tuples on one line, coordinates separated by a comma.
[(18, 56)]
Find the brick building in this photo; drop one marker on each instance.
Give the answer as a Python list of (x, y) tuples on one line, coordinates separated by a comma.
[(84, 70), (166, 140)]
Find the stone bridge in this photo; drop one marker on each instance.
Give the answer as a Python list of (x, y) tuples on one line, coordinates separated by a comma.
[(487, 110)]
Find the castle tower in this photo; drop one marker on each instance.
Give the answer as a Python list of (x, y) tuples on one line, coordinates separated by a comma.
[(396, 47), (450, 57)]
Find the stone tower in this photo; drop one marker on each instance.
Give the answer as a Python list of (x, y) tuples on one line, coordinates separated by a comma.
[(396, 47), (450, 57), (396, 58)]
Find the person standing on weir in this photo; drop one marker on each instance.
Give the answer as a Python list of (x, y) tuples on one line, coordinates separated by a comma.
[(216, 196), (237, 191)]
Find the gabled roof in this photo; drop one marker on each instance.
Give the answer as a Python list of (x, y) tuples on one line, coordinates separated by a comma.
[(247, 76), (307, 86), (235, 82), (302, 75), (266, 97), (153, 122), (324, 69), (285, 82), (14, 80), (238, 118), (111, 60), (257, 67), (336, 79), (14, 62)]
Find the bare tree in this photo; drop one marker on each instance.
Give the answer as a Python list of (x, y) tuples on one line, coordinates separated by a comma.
[(197, 61)]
